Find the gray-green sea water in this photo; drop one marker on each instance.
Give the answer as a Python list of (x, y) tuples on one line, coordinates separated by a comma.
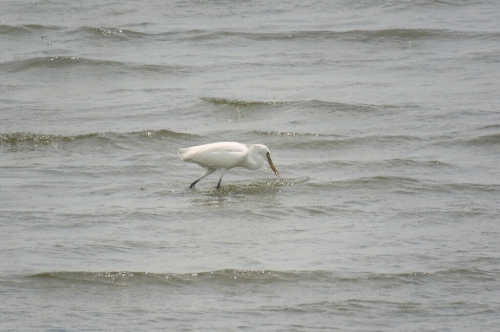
[(382, 118)]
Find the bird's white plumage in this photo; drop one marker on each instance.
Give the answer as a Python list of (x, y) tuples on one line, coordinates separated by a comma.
[(215, 155), (225, 155)]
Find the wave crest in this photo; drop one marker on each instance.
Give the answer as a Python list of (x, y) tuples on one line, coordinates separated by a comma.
[(32, 138), (255, 276)]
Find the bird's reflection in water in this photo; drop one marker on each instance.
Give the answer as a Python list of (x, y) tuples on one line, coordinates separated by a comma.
[(261, 193)]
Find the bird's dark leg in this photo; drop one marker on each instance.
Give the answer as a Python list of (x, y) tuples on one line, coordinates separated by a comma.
[(207, 173), (192, 184), (222, 171)]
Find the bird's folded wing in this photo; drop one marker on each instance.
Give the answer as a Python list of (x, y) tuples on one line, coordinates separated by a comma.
[(215, 155)]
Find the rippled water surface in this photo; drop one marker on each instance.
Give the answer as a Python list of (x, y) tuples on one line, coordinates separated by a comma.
[(382, 118)]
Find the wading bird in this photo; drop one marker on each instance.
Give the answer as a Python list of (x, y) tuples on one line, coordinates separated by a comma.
[(225, 155)]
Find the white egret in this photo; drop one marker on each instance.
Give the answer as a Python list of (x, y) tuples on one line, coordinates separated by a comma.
[(225, 155)]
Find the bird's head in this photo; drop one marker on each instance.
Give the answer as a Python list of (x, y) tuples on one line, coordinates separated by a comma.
[(263, 151)]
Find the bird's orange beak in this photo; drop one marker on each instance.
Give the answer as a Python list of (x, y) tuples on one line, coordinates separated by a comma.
[(272, 166)]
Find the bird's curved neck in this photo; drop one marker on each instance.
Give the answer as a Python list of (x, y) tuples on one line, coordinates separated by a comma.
[(254, 160)]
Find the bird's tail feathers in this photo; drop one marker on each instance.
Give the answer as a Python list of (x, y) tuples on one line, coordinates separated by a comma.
[(182, 153)]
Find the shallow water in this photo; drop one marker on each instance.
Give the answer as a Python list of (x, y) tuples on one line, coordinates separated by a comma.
[(381, 117)]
